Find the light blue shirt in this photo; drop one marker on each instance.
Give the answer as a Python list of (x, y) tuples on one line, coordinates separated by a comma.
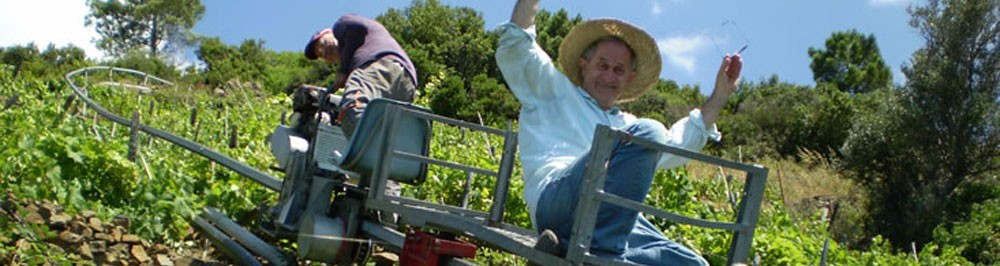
[(557, 118)]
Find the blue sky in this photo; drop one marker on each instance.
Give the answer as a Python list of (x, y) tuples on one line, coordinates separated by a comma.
[(692, 34)]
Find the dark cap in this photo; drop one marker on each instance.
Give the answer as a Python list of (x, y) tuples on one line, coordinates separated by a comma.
[(310, 52)]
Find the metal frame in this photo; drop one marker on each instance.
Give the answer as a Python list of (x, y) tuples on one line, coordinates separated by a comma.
[(261, 177), (485, 226), (592, 195), (386, 155)]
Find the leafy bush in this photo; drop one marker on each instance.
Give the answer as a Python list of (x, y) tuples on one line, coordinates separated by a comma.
[(979, 237), (772, 118)]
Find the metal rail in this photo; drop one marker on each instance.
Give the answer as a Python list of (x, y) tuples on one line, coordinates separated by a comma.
[(244, 237), (485, 226), (258, 176), (592, 194)]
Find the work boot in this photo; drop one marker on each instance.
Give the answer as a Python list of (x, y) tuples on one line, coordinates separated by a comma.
[(548, 243)]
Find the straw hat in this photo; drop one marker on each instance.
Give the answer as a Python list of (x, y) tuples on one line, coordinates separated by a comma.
[(646, 53)]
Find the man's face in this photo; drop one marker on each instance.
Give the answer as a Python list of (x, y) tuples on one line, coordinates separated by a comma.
[(326, 48), (606, 72)]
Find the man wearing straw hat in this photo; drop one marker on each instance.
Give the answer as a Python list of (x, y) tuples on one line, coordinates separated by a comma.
[(604, 62)]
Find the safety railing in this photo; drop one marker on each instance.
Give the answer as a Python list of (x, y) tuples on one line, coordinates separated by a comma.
[(592, 194)]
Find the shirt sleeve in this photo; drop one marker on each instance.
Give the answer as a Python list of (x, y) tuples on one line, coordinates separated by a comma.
[(528, 70), (689, 133)]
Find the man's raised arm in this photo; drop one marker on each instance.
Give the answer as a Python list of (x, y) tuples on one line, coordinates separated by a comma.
[(524, 13)]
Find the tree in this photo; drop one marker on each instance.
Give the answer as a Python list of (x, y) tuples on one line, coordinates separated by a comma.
[(552, 28), (427, 30), (151, 24), (851, 61), (457, 71), (138, 60), (940, 132), (24, 59), (287, 70), (63, 60), (247, 62), (50, 64), (666, 102)]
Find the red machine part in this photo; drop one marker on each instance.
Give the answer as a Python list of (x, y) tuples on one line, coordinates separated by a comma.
[(425, 249)]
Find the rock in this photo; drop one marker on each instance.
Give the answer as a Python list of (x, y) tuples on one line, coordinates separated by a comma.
[(55, 248), (69, 237), (160, 248), (87, 214), (98, 246), (163, 260), (10, 203), (85, 251), (139, 254), (58, 221), (104, 237), (78, 225), (116, 234), (119, 250), (32, 207), (35, 218), (131, 239), (87, 232), (48, 209), (186, 261), (122, 221), (96, 224), (108, 258), (22, 244), (10, 196)]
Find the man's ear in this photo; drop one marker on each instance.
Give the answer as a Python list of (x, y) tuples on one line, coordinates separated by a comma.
[(632, 74)]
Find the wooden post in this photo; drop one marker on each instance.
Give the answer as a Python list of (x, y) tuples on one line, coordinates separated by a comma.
[(197, 128), (730, 196), (151, 103), (68, 103), (94, 126), (66, 110), (781, 187), (133, 143), (232, 136), (466, 189), (194, 116), (13, 100)]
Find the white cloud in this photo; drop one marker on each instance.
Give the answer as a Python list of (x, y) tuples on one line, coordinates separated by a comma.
[(887, 2), (681, 51), (43, 22), (657, 9)]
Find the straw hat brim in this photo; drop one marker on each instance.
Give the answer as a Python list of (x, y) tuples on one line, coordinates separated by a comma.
[(647, 53)]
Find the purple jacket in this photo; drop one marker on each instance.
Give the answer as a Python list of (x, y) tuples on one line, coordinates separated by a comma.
[(363, 40)]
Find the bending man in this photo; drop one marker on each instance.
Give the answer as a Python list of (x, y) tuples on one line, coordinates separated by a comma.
[(372, 65)]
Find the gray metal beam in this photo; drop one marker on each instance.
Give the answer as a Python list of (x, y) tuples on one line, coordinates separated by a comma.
[(232, 249), (249, 240), (258, 176)]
